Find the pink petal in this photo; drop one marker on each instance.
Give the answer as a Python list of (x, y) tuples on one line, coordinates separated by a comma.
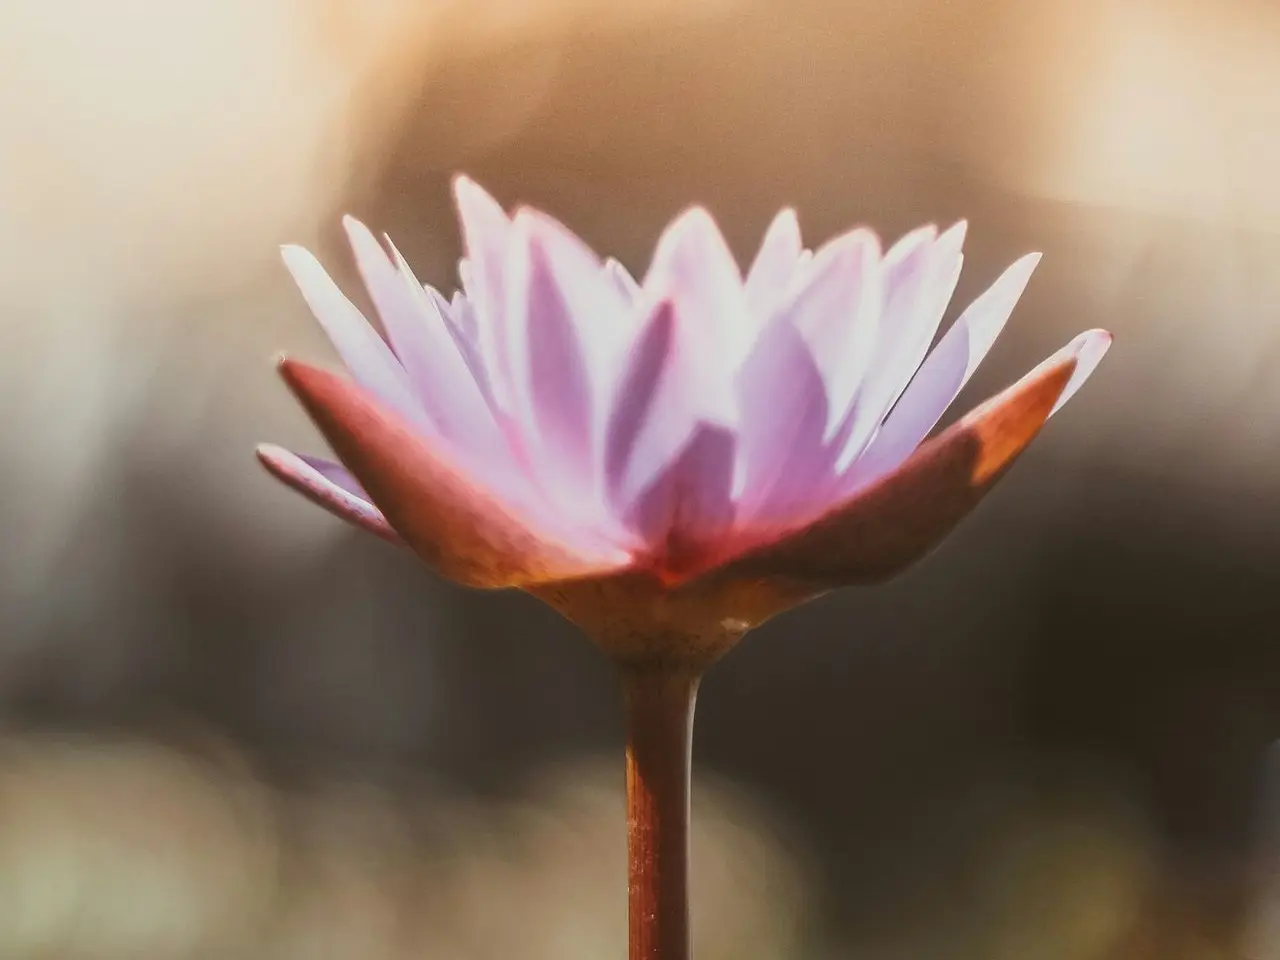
[(637, 390), (694, 272), (549, 382), (446, 515), (569, 335), (912, 316), (621, 278), (428, 349), (694, 268), (893, 522), (486, 231), (769, 278), (328, 485), (1089, 349), (784, 417), (837, 311), (363, 351), (462, 325), (686, 511), (941, 377)]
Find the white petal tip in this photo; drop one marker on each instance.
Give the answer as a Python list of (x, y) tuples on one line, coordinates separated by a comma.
[(957, 232), (271, 451), (298, 258), (1088, 349), (469, 195)]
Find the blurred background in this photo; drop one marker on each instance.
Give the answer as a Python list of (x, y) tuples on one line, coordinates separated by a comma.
[(233, 728)]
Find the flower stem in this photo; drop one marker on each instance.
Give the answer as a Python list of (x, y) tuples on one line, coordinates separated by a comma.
[(659, 704)]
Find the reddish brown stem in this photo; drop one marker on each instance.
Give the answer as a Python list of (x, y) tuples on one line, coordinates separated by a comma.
[(659, 703)]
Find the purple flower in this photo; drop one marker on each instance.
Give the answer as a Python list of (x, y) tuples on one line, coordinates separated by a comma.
[(557, 423)]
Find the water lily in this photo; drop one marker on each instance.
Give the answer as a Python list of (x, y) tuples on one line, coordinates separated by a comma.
[(667, 461), (557, 421)]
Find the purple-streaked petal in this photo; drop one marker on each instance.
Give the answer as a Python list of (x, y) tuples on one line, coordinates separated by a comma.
[(685, 513), (784, 416), (428, 349), (569, 334), (941, 377), (837, 311), (363, 351), (328, 485), (637, 389), (694, 272), (456, 523), (769, 279), (891, 523)]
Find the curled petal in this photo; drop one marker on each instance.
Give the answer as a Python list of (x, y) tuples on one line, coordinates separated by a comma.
[(892, 523), (328, 485), (456, 525)]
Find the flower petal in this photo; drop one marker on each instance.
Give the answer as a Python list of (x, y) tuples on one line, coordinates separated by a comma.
[(769, 279), (621, 277), (428, 348), (685, 513), (328, 485), (837, 311), (693, 267), (784, 416), (889, 525), (1090, 347), (912, 314), (941, 377), (455, 523), (636, 393), (569, 330), (486, 231), (363, 351), (694, 272)]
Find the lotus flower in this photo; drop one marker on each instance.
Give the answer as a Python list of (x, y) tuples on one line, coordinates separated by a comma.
[(561, 427)]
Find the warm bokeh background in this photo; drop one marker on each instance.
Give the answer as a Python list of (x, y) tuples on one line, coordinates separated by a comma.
[(235, 729)]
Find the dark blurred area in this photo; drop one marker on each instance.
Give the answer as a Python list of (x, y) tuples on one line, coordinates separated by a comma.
[(234, 728)]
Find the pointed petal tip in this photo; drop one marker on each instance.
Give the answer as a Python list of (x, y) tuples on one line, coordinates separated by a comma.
[(296, 257), (460, 184), (1086, 352), (468, 194), (268, 453), (357, 232), (957, 232), (301, 475)]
